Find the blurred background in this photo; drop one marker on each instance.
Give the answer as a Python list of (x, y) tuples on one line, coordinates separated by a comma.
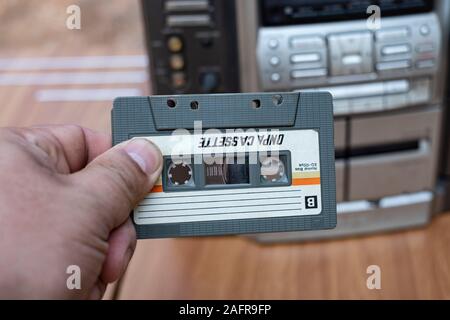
[(385, 63), (47, 69)]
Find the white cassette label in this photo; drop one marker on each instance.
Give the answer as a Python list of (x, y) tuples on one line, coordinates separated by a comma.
[(300, 197)]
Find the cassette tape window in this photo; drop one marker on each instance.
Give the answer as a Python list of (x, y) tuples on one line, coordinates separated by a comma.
[(227, 170)]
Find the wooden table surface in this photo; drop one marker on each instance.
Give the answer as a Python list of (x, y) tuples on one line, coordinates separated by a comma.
[(414, 263)]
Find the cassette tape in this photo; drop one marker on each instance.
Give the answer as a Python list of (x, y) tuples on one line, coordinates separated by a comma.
[(234, 163)]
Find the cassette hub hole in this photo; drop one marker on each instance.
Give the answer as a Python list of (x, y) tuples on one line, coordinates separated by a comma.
[(272, 169), (179, 174)]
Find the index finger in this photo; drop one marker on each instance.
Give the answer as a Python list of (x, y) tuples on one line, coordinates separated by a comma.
[(79, 145)]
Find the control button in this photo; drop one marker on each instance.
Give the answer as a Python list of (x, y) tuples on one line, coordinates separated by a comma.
[(274, 61), (393, 65), (356, 90), (179, 174), (423, 64), (351, 59), (191, 20), (188, 5), (309, 65), (347, 92), (397, 49), (178, 79), (273, 43), (272, 170), (392, 34), (206, 42), (305, 57), (209, 81), (275, 77), (176, 62), (396, 86), (308, 73), (424, 30), (351, 44), (175, 44), (424, 48), (306, 43)]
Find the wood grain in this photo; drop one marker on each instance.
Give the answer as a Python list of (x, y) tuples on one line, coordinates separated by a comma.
[(414, 264), (36, 28)]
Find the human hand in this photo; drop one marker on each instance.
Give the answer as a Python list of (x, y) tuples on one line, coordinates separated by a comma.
[(65, 200)]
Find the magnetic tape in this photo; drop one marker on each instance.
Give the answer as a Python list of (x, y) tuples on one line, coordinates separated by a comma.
[(234, 163)]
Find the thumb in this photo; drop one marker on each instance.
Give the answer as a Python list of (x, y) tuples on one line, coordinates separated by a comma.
[(119, 178)]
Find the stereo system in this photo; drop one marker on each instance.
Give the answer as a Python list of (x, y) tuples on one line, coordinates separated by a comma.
[(387, 84), (193, 46)]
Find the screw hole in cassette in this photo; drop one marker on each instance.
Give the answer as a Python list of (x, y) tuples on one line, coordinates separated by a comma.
[(277, 99), (194, 105), (171, 103), (256, 103)]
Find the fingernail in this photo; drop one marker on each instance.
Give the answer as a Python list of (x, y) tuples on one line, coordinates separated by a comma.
[(146, 155)]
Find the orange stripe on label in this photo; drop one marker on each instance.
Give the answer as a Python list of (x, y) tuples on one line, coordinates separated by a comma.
[(305, 181), (295, 182), (157, 188)]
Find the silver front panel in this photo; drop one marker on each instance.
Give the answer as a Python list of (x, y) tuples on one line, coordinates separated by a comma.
[(395, 172), (391, 128), (362, 217), (347, 52), (379, 96), (340, 134), (388, 89), (340, 142), (376, 176), (340, 180)]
